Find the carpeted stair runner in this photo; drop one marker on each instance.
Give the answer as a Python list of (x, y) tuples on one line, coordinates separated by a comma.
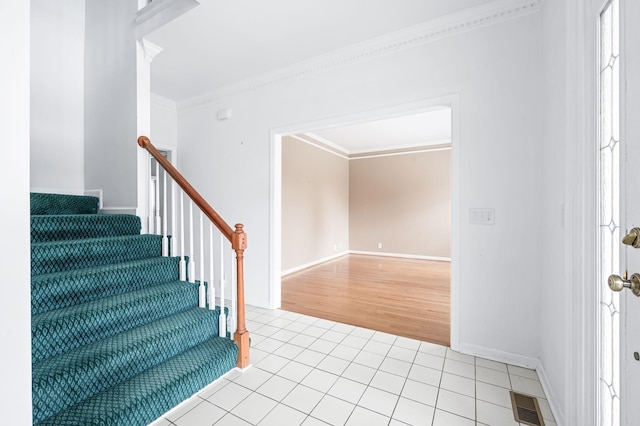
[(61, 289), (50, 204), (158, 387), (75, 226), (56, 256), (116, 338)]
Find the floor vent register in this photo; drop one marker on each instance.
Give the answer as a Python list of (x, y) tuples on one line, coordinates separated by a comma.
[(526, 409)]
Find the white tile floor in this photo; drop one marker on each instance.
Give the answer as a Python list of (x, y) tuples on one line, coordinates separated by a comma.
[(309, 371)]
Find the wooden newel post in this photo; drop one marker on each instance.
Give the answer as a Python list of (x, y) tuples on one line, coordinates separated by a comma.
[(241, 336)]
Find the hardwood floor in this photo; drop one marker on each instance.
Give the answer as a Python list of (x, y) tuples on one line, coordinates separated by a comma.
[(407, 297)]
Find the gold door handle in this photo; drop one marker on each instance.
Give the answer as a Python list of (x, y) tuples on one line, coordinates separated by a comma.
[(617, 283), (632, 238)]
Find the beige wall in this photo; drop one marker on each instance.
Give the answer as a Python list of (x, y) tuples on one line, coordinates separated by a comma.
[(403, 202), (331, 205), (315, 204)]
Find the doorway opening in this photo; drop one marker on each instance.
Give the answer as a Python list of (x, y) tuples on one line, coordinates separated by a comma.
[(365, 232)]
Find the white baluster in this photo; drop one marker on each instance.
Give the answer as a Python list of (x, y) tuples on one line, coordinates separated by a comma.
[(212, 287), (183, 264), (222, 320), (158, 226), (150, 219), (174, 230), (165, 238), (191, 271), (202, 301), (233, 310)]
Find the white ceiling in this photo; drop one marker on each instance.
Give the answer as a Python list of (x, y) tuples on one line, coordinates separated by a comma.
[(220, 43), (428, 128)]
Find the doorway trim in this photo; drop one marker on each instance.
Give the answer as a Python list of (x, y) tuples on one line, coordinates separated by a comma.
[(275, 229)]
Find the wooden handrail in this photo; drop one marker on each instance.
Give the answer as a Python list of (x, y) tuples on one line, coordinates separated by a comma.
[(238, 239), (226, 230)]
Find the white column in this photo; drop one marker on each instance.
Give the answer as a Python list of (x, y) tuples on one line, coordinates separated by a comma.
[(145, 52)]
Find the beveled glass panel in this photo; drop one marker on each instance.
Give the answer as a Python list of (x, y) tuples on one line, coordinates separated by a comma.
[(606, 265), (615, 29), (607, 406), (615, 100), (616, 241), (606, 190), (615, 367), (607, 342), (605, 35), (605, 106)]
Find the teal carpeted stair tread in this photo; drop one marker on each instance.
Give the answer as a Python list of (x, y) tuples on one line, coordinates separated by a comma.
[(75, 227), (63, 204), (62, 289), (55, 256), (65, 380), (145, 397), (59, 331)]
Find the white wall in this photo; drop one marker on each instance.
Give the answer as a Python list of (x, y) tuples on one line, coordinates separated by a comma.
[(164, 122), (15, 303), (315, 205), (57, 96), (496, 72), (110, 108)]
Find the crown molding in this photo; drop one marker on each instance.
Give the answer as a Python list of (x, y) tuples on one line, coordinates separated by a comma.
[(337, 150), (319, 145), (159, 12), (447, 26), (164, 103), (400, 151), (327, 142)]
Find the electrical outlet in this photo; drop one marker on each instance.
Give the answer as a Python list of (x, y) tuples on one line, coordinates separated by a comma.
[(379, 245)]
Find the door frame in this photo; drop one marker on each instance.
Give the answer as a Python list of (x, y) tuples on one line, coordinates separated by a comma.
[(275, 236), (580, 235)]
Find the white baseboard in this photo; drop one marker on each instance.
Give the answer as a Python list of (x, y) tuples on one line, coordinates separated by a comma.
[(500, 356), (407, 256), (558, 413), (64, 191), (118, 210), (310, 264), (520, 361)]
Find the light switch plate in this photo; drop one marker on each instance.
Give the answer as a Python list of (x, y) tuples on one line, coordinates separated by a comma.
[(482, 216)]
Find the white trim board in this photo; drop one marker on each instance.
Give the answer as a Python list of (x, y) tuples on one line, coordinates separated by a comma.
[(366, 253), (163, 103), (63, 191), (499, 356), (363, 155), (119, 210), (401, 255), (558, 414), (313, 263), (377, 154), (318, 146), (446, 26)]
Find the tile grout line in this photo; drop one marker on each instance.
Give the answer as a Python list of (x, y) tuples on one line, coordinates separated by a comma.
[(284, 320)]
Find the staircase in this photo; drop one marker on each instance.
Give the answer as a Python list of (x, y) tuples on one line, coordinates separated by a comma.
[(117, 339)]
